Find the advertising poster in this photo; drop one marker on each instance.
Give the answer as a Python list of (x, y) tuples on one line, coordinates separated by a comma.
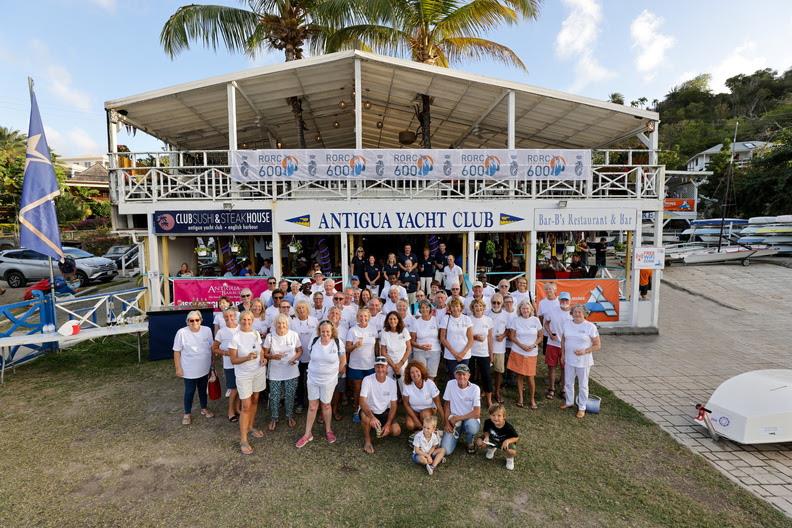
[(601, 296), (190, 290)]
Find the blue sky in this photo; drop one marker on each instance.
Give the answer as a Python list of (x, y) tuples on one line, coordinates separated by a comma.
[(84, 52)]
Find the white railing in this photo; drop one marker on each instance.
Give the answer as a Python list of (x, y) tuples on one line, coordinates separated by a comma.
[(102, 309), (205, 176)]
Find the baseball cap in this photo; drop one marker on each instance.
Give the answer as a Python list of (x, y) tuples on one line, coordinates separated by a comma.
[(380, 360), (462, 368), (354, 277), (564, 296), (317, 273), (478, 283), (306, 281)]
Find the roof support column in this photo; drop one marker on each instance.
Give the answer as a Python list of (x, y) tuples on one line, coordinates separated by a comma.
[(232, 117), (512, 114), (358, 106), (654, 142)]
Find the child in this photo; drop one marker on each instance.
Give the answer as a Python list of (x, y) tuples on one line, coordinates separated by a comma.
[(426, 444), (499, 433)]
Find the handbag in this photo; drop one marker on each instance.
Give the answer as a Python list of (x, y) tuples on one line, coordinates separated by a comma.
[(213, 387)]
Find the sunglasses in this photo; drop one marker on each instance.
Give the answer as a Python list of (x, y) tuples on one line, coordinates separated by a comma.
[(243, 296), (338, 298), (282, 306), (194, 320), (496, 302)]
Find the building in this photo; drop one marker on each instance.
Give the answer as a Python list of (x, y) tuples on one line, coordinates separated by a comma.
[(743, 153), (95, 177), (511, 162), (77, 164)]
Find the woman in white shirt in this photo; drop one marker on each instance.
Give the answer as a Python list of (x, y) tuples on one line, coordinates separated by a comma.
[(222, 339), (250, 368), (328, 361), (481, 353), (192, 356), (334, 315), (579, 340), (305, 325), (283, 349), (361, 343), (395, 346), (425, 339), (456, 336), (219, 317), (525, 333), (260, 324), (420, 396)]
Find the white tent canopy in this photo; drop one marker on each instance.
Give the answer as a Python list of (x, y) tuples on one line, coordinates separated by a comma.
[(468, 111)]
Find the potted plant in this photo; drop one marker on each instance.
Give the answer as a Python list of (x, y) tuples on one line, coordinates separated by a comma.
[(295, 246), (202, 251)]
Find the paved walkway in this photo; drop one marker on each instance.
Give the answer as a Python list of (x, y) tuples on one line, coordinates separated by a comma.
[(715, 322)]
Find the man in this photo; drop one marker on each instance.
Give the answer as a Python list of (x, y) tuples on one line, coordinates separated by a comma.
[(357, 266), (410, 280), (266, 295), (283, 287), (274, 309), (553, 323), (601, 252), (426, 271), (354, 282), (462, 409), (577, 262), (477, 294), (440, 260), (319, 281), (266, 268), (378, 404), (318, 309), (305, 293), (644, 282), (350, 306), (390, 304), (395, 284), (404, 257), (455, 294), (546, 307), (489, 291), (377, 320), (452, 274), (329, 292)]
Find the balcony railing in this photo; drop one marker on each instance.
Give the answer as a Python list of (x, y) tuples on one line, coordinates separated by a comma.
[(205, 176)]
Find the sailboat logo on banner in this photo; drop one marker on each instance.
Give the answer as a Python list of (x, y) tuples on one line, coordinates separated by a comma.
[(506, 219), (304, 220), (598, 303)]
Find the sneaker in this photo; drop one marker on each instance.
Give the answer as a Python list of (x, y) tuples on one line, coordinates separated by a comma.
[(490, 453), (331, 437), (303, 441), (356, 417), (510, 464), (429, 469), (186, 419), (228, 393), (471, 449)]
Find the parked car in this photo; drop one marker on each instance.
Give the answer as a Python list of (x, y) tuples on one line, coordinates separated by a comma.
[(123, 252), (20, 266)]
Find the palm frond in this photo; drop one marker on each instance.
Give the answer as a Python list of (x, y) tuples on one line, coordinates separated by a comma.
[(475, 18), (381, 39), (210, 25), (458, 48), (525, 8)]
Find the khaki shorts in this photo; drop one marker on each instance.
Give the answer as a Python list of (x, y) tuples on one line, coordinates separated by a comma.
[(248, 385), (499, 363)]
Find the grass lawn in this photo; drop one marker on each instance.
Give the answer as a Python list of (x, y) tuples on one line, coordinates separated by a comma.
[(90, 438)]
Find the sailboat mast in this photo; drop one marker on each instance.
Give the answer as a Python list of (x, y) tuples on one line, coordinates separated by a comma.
[(729, 176)]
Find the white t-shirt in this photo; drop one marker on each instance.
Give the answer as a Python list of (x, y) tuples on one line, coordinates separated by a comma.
[(261, 326), (409, 320), (452, 276), (519, 297), (546, 306), (196, 351), (307, 331), (342, 330), (462, 401), (349, 314), (427, 332), (426, 444), (384, 293), (468, 300), (362, 358), (526, 330), (323, 368), (317, 287), (395, 344), (327, 301), (440, 313), (266, 296), (245, 343), (576, 337), (377, 322), (301, 297), (219, 319), (500, 322), (481, 327), (378, 395), (224, 336), (280, 369), (320, 314), (422, 398), (557, 319), (388, 307), (456, 334)]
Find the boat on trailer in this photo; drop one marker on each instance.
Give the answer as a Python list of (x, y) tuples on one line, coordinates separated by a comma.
[(728, 254)]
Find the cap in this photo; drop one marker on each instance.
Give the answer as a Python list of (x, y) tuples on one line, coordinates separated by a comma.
[(306, 281), (564, 296), (354, 277), (478, 284), (380, 360), (462, 368), (317, 272)]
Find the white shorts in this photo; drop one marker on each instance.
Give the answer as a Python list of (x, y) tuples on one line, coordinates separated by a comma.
[(431, 360), (323, 393), (248, 385)]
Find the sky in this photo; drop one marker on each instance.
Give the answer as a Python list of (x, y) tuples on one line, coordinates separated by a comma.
[(82, 53)]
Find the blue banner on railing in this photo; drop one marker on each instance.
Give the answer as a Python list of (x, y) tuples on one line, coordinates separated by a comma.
[(213, 222)]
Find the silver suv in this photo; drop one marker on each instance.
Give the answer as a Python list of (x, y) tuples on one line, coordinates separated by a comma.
[(19, 266)]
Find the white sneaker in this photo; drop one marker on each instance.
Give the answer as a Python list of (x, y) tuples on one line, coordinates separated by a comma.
[(429, 469), (510, 464), (490, 453)]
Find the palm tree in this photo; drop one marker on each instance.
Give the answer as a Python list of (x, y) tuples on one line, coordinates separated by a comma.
[(616, 98), (12, 142), (437, 32), (285, 25)]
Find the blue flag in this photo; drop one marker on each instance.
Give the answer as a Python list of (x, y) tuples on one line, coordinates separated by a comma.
[(38, 223)]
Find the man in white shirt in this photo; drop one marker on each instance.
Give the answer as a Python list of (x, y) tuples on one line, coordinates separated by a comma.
[(393, 298), (393, 283), (452, 274), (266, 268), (266, 295), (319, 310), (304, 293), (554, 321), (462, 409), (478, 293), (489, 291), (377, 317), (350, 307), (378, 404), (319, 280)]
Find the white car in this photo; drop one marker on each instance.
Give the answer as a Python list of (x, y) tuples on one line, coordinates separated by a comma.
[(20, 266)]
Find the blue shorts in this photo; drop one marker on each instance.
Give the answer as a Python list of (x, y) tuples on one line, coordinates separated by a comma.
[(415, 458), (230, 377), (358, 374)]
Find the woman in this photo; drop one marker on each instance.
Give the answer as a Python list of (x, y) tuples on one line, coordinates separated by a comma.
[(525, 333), (334, 316), (192, 356), (282, 349), (579, 340), (425, 341), (372, 275), (184, 270), (259, 316), (219, 317), (305, 325), (482, 351), (391, 267), (360, 346), (223, 338), (395, 346), (500, 321), (403, 309), (251, 377), (420, 396), (245, 297), (420, 295), (328, 361), (365, 297), (456, 336)]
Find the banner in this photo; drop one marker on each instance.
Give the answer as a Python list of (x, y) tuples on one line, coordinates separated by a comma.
[(687, 205), (563, 219), (210, 290), (213, 222), (601, 296), (650, 258), (393, 164)]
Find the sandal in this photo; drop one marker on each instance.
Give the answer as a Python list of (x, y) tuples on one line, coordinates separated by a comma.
[(258, 433), (520, 404), (206, 413), (272, 425), (246, 449), (292, 423), (234, 418), (550, 395), (186, 419), (534, 406)]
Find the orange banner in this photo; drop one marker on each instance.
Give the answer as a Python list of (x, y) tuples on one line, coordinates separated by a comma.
[(680, 204), (601, 296)]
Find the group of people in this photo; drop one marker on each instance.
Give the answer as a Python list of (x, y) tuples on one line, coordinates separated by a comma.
[(308, 346)]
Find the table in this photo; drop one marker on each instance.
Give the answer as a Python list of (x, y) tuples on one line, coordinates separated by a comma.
[(164, 322)]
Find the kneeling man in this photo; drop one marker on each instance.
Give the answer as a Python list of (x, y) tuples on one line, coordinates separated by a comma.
[(378, 404)]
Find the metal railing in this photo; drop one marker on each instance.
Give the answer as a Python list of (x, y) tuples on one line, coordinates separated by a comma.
[(102, 309)]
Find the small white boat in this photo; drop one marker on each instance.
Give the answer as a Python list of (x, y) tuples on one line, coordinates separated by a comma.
[(729, 254), (677, 252)]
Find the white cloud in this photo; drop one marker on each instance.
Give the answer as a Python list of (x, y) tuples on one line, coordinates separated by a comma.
[(81, 142), (743, 59), (651, 43), (54, 139), (109, 5), (60, 83), (576, 40)]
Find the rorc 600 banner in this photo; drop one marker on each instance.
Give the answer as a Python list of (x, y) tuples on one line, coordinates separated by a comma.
[(374, 164)]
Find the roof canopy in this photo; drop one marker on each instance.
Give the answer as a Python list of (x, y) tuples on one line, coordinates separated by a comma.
[(468, 111)]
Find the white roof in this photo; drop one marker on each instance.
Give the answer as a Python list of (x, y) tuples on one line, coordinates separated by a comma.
[(740, 146), (194, 115)]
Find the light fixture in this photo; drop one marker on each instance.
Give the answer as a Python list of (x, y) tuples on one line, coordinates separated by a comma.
[(367, 105), (407, 137), (562, 204), (379, 124), (650, 126), (279, 144), (342, 104), (318, 138), (336, 124)]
